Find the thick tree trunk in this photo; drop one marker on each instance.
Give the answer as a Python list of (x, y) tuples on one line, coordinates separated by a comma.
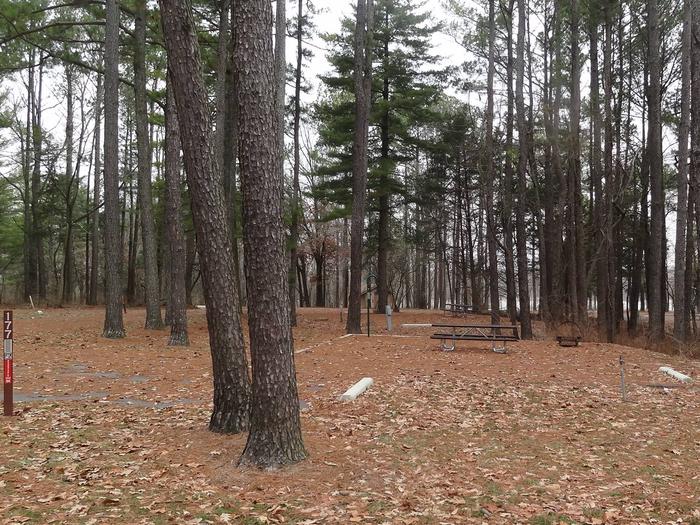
[(114, 324), (176, 242), (363, 86), (275, 427), (230, 367), (148, 229)]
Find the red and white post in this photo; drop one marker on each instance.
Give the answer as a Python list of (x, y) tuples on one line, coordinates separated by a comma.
[(7, 340)]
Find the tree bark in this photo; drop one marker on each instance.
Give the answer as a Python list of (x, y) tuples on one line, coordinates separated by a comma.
[(154, 320), (230, 367), (680, 324), (275, 428), (114, 324), (508, 179), (176, 242), (68, 254), (523, 288), (296, 192), (95, 225), (657, 281), (363, 87)]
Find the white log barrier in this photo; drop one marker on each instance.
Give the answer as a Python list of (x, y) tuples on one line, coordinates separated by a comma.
[(674, 374), (358, 388), (416, 325)]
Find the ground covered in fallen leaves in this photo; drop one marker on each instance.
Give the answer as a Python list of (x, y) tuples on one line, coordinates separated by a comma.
[(116, 431)]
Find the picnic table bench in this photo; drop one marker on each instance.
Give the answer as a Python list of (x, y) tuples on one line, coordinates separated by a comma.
[(568, 340), (475, 332), (455, 308)]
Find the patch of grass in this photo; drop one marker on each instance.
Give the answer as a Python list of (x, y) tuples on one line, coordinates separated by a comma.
[(33, 515), (377, 506), (493, 488), (550, 519), (593, 512)]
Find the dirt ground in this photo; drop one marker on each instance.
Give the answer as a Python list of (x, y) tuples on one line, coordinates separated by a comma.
[(116, 431)]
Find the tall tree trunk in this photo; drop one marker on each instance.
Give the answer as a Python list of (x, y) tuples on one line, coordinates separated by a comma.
[(596, 171), (176, 242), (384, 235), (222, 80), (68, 255), (275, 428), (680, 325), (114, 324), (363, 86), (148, 228), (577, 284), (657, 281), (36, 263), (523, 288), (694, 190), (508, 179), (296, 192), (230, 367), (95, 224), (229, 158)]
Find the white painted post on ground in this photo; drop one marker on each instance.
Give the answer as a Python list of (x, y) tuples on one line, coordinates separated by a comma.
[(674, 374), (388, 317), (358, 388)]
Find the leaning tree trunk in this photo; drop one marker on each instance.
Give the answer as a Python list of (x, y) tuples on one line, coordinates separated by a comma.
[(176, 242), (114, 324), (363, 87), (275, 428), (143, 144), (230, 367)]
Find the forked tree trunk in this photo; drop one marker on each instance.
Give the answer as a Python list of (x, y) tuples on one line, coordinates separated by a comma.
[(275, 428), (114, 324), (230, 367)]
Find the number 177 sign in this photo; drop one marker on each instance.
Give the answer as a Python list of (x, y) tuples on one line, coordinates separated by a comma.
[(7, 336)]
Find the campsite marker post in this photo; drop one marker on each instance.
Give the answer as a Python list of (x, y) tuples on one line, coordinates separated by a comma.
[(369, 302), (7, 340), (622, 379)]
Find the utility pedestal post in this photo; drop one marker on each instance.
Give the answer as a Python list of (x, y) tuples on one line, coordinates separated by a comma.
[(388, 317), (7, 340)]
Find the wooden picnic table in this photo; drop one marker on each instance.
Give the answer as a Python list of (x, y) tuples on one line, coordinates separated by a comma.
[(475, 332)]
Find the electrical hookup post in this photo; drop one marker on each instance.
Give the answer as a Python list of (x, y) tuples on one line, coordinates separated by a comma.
[(7, 350)]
